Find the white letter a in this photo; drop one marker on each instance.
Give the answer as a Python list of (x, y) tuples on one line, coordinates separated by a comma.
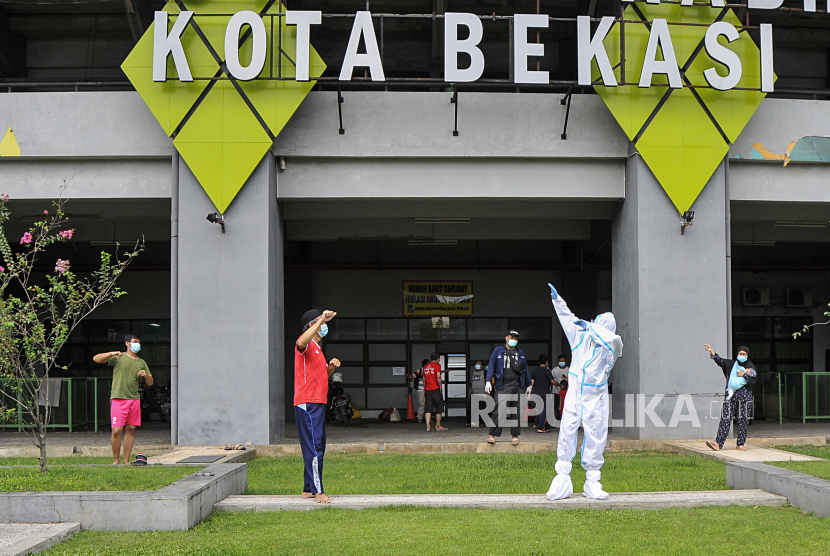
[(362, 26)]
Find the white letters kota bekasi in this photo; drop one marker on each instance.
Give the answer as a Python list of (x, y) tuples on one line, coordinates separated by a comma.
[(660, 36), (362, 27), (258, 51), (164, 44), (720, 53), (659, 57), (588, 48), (452, 46), (522, 49), (303, 20)]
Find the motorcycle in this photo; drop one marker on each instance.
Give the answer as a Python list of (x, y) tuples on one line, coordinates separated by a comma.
[(162, 397), (144, 401), (339, 409)]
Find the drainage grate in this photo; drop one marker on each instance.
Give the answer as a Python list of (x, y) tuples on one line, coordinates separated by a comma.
[(200, 459)]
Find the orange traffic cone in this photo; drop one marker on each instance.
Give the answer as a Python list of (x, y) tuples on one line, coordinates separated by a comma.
[(410, 411)]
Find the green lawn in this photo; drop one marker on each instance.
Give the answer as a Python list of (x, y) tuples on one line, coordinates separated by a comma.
[(809, 450), (476, 473), (70, 460), (75, 477), (437, 531), (815, 468)]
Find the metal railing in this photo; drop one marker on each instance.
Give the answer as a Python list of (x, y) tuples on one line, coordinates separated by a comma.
[(807, 396), (769, 402), (80, 405)]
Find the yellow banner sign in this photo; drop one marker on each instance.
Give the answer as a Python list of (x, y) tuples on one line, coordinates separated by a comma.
[(427, 299)]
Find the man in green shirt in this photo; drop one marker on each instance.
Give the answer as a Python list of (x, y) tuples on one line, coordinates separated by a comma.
[(125, 406)]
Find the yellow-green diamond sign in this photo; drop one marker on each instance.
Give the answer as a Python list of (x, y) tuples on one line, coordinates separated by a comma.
[(682, 134), (220, 131)]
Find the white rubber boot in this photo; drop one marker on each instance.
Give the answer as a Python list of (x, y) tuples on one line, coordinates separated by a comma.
[(562, 486), (593, 488)]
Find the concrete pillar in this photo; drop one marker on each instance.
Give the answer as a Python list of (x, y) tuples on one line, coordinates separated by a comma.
[(669, 298), (231, 347)]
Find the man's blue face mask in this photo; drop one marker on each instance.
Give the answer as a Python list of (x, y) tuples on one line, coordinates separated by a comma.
[(561, 364), (135, 347), (742, 358), (512, 343), (324, 329)]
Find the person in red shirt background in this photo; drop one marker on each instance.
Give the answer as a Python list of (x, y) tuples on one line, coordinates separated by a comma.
[(432, 392), (311, 388)]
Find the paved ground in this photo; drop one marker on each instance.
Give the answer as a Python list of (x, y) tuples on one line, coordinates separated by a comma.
[(633, 500), (17, 539), (152, 433), (154, 437)]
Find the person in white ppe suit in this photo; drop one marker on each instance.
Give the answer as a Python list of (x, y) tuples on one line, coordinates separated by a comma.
[(595, 347)]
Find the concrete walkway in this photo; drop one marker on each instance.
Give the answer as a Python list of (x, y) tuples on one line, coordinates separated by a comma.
[(730, 453), (617, 501)]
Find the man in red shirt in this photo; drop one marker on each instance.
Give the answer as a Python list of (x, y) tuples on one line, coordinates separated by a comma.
[(311, 388), (432, 393)]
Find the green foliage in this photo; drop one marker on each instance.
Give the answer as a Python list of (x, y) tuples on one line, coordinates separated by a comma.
[(39, 311), (476, 473), (98, 478), (713, 531)]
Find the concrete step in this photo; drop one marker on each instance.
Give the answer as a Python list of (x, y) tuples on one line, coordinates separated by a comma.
[(752, 453), (617, 501), (20, 539)]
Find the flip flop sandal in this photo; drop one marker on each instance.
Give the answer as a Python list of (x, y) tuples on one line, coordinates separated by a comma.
[(515, 442), (713, 445), (491, 440), (229, 446)]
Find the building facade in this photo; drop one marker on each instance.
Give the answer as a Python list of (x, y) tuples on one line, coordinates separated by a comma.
[(340, 220)]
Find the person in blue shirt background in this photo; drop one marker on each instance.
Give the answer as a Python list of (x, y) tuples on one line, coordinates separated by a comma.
[(509, 367)]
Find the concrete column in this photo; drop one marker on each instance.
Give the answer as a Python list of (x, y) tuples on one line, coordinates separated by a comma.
[(231, 361), (669, 298)]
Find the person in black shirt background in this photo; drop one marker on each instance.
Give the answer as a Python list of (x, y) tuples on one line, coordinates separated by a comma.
[(541, 380)]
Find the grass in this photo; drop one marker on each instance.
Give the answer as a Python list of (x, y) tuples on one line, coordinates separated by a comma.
[(809, 450), (819, 469), (76, 477), (477, 473), (438, 531), (70, 460)]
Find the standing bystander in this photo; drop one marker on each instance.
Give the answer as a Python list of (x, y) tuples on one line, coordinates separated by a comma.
[(541, 379), (432, 394), (509, 367), (418, 385), (125, 406)]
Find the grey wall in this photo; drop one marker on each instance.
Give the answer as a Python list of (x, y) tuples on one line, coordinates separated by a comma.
[(230, 315), (669, 298)]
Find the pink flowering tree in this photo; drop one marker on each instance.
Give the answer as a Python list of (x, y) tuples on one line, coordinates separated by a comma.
[(38, 313)]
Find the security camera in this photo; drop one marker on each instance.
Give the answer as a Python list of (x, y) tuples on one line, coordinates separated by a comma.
[(686, 220), (216, 218)]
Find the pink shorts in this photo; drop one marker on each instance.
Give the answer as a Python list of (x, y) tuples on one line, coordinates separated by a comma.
[(125, 412)]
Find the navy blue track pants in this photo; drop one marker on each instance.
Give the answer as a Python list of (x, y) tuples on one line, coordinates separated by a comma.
[(311, 428)]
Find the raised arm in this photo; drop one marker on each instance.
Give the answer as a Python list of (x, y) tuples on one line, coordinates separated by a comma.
[(104, 357), (566, 317)]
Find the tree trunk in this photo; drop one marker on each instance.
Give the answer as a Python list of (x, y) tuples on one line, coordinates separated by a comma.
[(41, 443)]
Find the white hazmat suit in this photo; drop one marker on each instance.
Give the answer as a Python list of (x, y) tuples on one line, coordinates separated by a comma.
[(595, 347)]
